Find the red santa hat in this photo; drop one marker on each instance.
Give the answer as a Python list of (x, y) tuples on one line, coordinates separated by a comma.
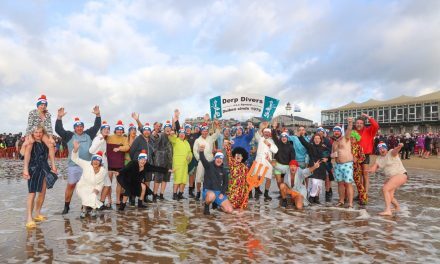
[(119, 126)]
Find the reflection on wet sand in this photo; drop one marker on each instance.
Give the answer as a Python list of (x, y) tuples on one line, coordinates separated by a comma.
[(179, 232)]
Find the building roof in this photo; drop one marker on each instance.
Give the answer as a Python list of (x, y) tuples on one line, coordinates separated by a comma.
[(296, 118), (403, 99)]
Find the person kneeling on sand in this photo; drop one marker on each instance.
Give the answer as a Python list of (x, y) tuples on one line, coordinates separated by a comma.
[(296, 185), (91, 182), (215, 183), (391, 165)]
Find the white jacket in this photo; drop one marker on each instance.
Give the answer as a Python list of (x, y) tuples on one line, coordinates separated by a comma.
[(263, 150), (209, 145), (89, 181)]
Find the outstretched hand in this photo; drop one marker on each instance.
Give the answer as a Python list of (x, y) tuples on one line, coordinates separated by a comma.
[(96, 110), (61, 113), (317, 164), (135, 116), (274, 123), (75, 146), (201, 148)]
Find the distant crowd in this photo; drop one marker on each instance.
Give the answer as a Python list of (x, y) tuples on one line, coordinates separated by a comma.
[(10, 145), (422, 145)]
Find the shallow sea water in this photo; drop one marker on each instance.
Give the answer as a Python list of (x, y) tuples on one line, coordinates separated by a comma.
[(265, 233)]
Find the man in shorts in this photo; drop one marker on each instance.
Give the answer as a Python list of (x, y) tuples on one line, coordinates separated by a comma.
[(341, 151), (85, 138), (215, 183)]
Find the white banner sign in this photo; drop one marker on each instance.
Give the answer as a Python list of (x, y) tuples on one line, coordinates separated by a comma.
[(232, 104)]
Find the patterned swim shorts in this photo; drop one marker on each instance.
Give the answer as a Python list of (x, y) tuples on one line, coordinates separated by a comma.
[(344, 172)]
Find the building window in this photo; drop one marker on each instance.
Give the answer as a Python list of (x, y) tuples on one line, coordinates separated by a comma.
[(431, 112), (393, 116), (399, 116), (386, 112), (380, 115)]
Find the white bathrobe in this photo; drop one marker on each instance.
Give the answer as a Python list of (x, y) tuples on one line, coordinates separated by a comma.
[(263, 151), (89, 181)]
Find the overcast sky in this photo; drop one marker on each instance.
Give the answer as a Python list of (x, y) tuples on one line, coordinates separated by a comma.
[(154, 56)]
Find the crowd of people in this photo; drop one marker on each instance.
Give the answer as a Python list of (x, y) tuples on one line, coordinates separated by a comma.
[(223, 167), (421, 145), (10, 146)]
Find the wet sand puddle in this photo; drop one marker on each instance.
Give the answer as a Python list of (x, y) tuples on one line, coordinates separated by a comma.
[(179, 232)]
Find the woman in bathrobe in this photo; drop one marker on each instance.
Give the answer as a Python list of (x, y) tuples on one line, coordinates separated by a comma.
[(91, 182)]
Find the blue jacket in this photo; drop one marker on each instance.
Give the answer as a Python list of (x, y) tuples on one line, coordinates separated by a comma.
[(244, 141), (300, 150)]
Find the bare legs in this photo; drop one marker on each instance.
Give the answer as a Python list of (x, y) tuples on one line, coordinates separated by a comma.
[(38, 205), (226, 204), (69, 192), (388, 190)]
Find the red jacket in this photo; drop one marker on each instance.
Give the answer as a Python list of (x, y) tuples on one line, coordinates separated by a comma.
[(367, 136)]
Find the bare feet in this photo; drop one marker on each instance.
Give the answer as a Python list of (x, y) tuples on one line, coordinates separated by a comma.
[(386, 213), (396, 209)]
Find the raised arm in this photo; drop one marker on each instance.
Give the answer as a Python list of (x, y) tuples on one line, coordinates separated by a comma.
[(304, 142), (395, 151), (374, 126), (75, 156), (135, 116), (227, 146), (217, 131), (97, 125), (203, 159), (349, 128), (251, 132), (275, 137), (59, 129), (176, 123), (292, 153)]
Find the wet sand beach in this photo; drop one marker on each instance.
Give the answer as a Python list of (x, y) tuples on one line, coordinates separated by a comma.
[(265, 233)]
